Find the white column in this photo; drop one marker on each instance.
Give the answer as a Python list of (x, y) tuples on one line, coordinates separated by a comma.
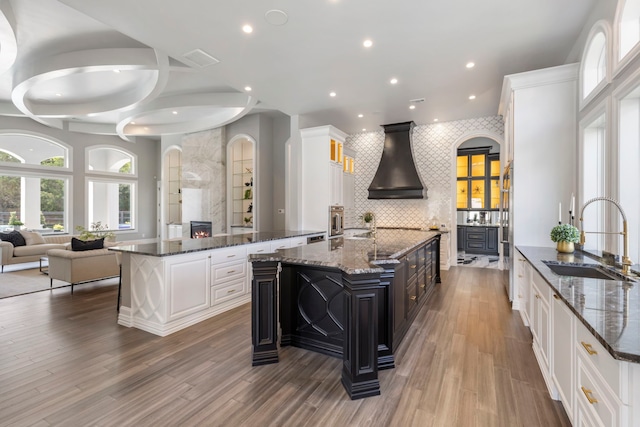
[(30, 202)]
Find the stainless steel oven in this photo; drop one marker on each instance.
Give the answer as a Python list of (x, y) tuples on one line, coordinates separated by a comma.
[(336, 220)]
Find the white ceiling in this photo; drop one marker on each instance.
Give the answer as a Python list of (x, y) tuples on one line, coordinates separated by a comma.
[(95, 66)]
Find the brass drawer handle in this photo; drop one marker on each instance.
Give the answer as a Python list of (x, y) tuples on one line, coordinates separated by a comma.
[(589, 348), (231, 271), (537, 296), (413, 266), (423, 286), (260, 250), (231, 291), (230, 256), (588, 395), (413, 298)]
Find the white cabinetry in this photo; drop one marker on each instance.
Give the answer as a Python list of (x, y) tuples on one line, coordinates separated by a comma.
[(522, 287), (322, 174), (540, 324), (187, 278), (595, 389), (539, 110)]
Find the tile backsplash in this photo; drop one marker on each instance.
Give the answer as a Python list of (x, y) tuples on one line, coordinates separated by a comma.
[(433, 151)]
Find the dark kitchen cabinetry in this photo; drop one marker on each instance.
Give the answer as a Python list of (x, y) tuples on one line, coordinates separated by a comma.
[(414, 282), (478, 240)]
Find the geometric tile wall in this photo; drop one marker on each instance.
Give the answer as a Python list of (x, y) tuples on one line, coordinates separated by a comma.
[(432, 152)]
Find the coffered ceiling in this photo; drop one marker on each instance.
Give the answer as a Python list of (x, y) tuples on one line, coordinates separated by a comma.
[(153, 67)]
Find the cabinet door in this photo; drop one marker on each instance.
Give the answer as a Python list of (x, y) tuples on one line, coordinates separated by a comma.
[(492, 240), (563, 352), (461, 232), (475, 240), (189, 278), (336, 184)]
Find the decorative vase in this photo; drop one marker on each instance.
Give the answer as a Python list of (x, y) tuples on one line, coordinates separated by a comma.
[(565, 247)]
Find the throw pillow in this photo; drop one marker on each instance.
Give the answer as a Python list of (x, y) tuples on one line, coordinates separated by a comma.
[(82, 245), (14, 237), (32, 238)]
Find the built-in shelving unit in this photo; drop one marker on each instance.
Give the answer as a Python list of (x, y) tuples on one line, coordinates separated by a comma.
[(242, 184)]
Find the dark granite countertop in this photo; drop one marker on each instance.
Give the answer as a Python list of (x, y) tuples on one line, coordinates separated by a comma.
[(183, 246), (610, 309), (359, 255)]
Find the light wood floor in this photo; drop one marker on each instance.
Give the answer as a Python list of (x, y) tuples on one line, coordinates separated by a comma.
[(467, 361)]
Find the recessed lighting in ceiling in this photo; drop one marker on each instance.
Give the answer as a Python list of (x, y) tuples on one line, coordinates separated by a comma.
[(412, 107), (472, 97), (247, 29), (116, 70), (361, 115), (367, 43), (133, 123), (276, 17), (364, 130), (146, 128), (435, 120), (393, 81), (332, 94), (247, 88), (470, 64), (174, 113), (58, 94)]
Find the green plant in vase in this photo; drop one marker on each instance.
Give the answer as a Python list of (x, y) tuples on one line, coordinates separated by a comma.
[(565, 235)]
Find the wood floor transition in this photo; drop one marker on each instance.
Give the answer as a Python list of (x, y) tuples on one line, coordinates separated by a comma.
[(467, 361)]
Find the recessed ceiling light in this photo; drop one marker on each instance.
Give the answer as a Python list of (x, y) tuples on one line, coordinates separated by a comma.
[(472, 97), (332, 94), (133, 123), (361, 115), (58, 94), (247, 88), (364, 130), (174, 113), (116, 70), (247, 29), (393, 81), (470, 64), (367, 43), (146, 128), (412, 107), (435, 120)]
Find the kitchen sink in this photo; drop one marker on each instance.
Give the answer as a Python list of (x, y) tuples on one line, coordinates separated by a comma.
[(590, 271)]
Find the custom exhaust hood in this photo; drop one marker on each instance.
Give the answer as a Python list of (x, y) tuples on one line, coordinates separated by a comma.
[(397, 177)]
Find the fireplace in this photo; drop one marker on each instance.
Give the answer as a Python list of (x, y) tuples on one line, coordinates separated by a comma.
[(200, 229)]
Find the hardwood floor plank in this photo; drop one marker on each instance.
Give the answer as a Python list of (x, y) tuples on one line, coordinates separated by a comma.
[(466, 360)]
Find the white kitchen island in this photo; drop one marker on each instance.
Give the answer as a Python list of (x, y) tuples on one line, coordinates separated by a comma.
[(170, 285)]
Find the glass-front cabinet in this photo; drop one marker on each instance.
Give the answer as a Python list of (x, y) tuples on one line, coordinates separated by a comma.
[(241, 161), (478, 180)]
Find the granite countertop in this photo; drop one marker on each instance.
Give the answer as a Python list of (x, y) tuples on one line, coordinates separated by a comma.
[(610, 309), (478, 225), (358, 255), (183, 246)]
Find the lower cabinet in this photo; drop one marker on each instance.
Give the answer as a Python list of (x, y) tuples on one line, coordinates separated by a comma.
[(478, 239), (187, 277), (594, 388)]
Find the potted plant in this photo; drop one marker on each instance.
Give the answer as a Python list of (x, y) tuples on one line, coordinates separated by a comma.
[(565, 235), (367, 217), (247, 221), (13, 220), (98, 231), (58, 227)]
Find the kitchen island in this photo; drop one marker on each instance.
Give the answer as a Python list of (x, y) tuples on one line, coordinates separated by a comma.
[(352, 298), (170, 285)]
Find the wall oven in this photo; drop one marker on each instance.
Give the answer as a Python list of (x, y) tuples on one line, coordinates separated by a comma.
[(336, 221)]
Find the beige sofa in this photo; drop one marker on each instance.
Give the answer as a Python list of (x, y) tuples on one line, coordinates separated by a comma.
[(82, 266), (31, 252)]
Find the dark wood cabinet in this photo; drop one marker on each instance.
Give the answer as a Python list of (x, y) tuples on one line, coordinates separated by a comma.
[(478, 240)]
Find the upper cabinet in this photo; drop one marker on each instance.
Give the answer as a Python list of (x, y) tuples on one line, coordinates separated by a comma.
[(478, 179), (322, 180)]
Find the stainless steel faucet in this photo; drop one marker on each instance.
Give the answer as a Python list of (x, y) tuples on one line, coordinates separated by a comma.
[(626, 261)]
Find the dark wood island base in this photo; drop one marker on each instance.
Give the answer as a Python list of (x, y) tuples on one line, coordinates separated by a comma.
[(359, 316)]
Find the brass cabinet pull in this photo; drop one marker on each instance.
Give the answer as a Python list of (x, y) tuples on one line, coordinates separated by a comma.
[(260, 250), (413, 266), (231, 271), (589, 348), (413, 298), (537, 296), (230, 256), (423, 286), (588, 395), (556, 296), (231, 291)]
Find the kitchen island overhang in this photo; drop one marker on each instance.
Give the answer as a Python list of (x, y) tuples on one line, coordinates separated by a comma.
[(353, 300)]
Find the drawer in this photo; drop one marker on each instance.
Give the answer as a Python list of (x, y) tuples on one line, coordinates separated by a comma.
[(543, 288), (596, 355), (259, 248), (229, 271), (592, 393), (297, 241), (280, 244), (228, 291), (221, 256), (474, 235)]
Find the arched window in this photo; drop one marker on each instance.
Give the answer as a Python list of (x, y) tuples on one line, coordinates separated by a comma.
[(34, 182), (111, 194), (594, 70), (628, 22)]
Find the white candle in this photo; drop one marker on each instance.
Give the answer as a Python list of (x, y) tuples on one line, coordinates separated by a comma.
[(560, 213), (573, 204)]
